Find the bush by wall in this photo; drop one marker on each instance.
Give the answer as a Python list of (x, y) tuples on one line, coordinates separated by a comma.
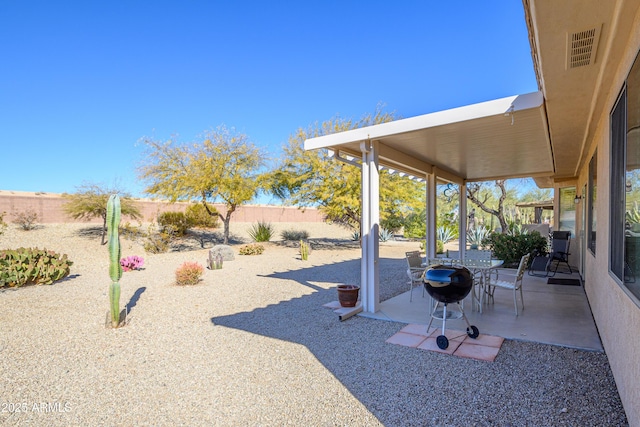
[(174, 223), (198, 216)]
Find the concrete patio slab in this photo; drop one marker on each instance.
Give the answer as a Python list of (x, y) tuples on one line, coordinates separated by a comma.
[(553, 314)]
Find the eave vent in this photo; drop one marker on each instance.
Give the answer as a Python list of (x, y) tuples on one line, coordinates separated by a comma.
[(582, 47)]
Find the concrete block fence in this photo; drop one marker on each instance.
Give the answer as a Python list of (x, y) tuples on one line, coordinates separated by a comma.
[(49, 209)]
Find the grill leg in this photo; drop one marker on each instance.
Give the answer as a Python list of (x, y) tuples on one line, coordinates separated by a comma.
[(444, 317), (433, 312), (464, 316)]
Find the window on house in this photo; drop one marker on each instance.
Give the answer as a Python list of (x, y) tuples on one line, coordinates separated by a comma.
[(625, 184), (568, 210)]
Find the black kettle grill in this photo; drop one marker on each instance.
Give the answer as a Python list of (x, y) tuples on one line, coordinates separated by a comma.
[(447, 285)]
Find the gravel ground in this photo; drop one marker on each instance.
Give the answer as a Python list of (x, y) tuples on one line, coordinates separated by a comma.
[(252, 345)]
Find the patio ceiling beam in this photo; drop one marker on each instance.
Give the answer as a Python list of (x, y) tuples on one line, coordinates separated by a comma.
[(397, 159), (398, 166)]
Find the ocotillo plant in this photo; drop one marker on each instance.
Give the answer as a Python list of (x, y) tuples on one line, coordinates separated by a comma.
[(304, 250), (115, 269)]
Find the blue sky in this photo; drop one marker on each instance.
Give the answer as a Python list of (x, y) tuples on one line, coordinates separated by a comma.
[(81, 82)]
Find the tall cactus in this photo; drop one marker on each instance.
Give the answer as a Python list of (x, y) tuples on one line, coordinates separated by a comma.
[(115, 269), (304, 250)]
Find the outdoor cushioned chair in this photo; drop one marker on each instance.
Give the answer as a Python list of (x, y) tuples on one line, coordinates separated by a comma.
[(415, 271), (505, 280)]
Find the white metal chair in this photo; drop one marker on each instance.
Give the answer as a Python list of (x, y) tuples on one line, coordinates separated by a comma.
[(415, 271), (513, 282), (478, 254)]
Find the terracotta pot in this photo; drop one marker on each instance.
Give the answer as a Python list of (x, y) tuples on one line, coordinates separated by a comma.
[(348, 295)]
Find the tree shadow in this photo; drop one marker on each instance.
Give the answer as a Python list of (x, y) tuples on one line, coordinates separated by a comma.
[(89, 232), (197, 239), (321, 244)]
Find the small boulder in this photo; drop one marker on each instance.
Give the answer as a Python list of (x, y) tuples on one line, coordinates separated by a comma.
[(224, 250)]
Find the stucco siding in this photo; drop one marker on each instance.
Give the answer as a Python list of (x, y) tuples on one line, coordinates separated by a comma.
[(617, 314)]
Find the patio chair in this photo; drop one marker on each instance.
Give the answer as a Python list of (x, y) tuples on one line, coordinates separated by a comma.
[(415, 271), (543, 266), (560, 241), (513, 282), (478, 254)]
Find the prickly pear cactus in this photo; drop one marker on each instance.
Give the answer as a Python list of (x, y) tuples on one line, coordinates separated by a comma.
[(115, 269)]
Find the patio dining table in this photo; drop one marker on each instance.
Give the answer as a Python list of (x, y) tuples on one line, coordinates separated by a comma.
[(481, 269)]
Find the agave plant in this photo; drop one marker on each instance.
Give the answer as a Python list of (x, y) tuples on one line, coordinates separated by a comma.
[(385, 235), (261, 232), (476, 235), (445, 234)]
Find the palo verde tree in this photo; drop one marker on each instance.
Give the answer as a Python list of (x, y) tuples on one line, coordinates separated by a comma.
[(500, 202), (223, 167), (316, 178), (476, 192), (90, 201)]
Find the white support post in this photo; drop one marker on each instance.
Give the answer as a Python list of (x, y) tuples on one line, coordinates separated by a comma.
[(369, 287), (364, 223), (430, 247), (462, 220)]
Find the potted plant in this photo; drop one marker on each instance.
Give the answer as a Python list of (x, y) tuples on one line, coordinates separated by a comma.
[(348, 295)]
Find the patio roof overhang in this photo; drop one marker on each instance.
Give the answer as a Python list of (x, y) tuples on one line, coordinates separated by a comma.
[(503, 138)]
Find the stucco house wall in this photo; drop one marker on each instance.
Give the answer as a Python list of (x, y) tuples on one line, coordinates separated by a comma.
[(617, 315)]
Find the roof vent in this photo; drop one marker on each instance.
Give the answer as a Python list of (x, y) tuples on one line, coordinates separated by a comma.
[(582, 47)]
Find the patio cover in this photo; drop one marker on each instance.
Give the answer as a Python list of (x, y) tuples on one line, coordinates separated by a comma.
[(503, 138)]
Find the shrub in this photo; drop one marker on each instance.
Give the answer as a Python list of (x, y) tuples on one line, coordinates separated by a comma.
[(355, 236), (174, 223), (439, 247), (157, 242), (253, 249), (3, 225), (415, 225), (261, 232), (132, 262), (131, 232), (294, 235), (25, 266), (198, 216), (189, 273), (511, 247), (26, 219)]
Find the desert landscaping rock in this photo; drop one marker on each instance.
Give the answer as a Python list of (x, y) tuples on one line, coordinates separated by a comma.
[(252, 345), (225, 250)]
